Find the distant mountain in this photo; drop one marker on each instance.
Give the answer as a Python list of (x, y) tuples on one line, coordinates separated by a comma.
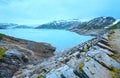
[(22, 26), (12, 26), (96, 23), (96, 26), (7, 25), (62, 24), (93, 27)]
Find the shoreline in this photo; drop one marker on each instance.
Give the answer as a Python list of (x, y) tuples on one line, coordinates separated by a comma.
[(72, 58)]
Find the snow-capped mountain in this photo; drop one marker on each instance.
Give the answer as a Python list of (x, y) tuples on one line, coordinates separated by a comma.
[(96, 23), (61, 24), (12, 26)]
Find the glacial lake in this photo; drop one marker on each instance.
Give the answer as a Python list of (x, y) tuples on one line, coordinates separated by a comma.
[(61, 39)]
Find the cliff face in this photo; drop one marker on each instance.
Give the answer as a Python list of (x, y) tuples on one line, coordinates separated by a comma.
[(92, 59), (17, 53)]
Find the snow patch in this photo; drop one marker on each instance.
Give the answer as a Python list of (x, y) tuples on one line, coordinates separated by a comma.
[(118, 20)]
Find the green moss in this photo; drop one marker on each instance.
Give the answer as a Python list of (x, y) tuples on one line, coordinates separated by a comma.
[(2, 52), (40, 76), (104, 64), (113, 27), (1, 35), (115, 72), (115, 56), (81, 66), (37, 71)]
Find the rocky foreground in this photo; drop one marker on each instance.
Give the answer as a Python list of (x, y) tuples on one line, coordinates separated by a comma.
[(16, 53), (92, 59)]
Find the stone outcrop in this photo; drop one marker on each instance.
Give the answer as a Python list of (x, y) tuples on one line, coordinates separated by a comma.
[(91, 59), (19, 53), (11, 63), (28, 47)]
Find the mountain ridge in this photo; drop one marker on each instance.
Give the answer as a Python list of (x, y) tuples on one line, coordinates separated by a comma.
[(86, 24), (12, 26)]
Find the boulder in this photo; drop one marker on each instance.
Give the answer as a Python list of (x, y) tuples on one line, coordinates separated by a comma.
[(106, 60), (12, 61), (93, 69)]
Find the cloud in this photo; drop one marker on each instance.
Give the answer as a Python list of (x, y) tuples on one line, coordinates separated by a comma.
[(56, 9)]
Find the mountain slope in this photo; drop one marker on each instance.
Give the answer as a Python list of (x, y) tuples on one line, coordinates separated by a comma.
[(12, 26), (59, 24), (17, 53), (98, 23), (93, 27)]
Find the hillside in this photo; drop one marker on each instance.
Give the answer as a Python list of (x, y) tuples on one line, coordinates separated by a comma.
[(62, 24), (115, 43), (17, 53)]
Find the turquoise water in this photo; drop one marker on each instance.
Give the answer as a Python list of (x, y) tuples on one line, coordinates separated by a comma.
[(61, 39)]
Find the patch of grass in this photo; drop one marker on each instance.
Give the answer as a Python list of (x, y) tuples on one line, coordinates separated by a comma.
[(2, 53), (1, 35), (103, 64), (40, 76), (115, 72), (116, 57), (81, 66), (113, 27)]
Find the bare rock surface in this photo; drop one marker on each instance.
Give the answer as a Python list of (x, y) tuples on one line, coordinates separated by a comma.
[(86, 60), (18, 54)]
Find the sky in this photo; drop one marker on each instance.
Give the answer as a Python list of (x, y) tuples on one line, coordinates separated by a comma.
[(43, 11)]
